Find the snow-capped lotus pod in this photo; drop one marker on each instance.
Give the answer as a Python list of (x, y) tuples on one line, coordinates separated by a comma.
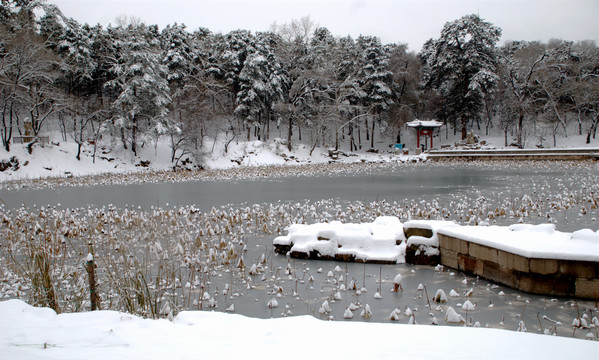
[(330, 274), (440, 296), (465, 281), (342, 287), (272, 303), (212, 303), (468, 306), (501, 293), (325, 308), (408, 312), (253, 270), (521, 327), (206, 296), (166, 309), (420, 287), (348, 314), (377, 295), (397, 279), (337, 296), (583, 322), (451, 316), (453, 293), (352, 306), (352, 285), (412, 320), (434, 321), (230, 308), (393, 316), (366, 312), (338, 268), (469, 292)]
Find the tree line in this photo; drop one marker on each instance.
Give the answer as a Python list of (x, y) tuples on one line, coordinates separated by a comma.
[(134, 83)]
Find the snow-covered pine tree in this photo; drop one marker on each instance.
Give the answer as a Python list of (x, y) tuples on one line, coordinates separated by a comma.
[(262, 82), (462, 66), (140, 80), (375, 79)]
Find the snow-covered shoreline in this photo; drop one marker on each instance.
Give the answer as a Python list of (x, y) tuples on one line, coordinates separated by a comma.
[(55, 164)]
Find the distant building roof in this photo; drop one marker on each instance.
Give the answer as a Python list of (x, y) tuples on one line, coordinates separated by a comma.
[(424, 123)]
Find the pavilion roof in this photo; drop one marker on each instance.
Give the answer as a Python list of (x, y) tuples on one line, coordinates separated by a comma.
[(424, 123)]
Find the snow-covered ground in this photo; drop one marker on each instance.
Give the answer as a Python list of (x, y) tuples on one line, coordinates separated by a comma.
[(38, 333), (57, 159)]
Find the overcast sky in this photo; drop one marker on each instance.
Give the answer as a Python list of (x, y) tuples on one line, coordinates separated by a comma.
[(394, 21)]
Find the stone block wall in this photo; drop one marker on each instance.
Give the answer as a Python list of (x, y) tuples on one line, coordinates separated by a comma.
[(538, 276)]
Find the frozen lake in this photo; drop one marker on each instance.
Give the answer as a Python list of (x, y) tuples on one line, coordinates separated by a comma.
[(445, 185), (191, 244)]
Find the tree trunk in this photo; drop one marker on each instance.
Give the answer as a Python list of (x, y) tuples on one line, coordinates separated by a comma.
[(359, 136), (289, 132), (78, 157), (520, 125), (134, 136), (123, 139), (372, 134), (593, 129)]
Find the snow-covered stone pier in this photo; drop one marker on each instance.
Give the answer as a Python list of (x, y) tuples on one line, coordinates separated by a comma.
[(531, 258)]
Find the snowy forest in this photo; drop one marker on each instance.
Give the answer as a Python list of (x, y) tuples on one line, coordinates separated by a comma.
[(133, 83)]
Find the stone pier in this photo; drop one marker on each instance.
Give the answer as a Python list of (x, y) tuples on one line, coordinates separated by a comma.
[(555, 277)]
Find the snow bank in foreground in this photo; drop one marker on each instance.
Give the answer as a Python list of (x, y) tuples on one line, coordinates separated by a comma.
[(38, 333), (384, 239)]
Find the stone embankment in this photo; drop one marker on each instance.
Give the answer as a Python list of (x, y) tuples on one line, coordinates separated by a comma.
[(555, 277), (515, 154)]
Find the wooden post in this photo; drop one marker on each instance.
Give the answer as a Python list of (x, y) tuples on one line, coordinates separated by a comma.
[(91, 272)]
